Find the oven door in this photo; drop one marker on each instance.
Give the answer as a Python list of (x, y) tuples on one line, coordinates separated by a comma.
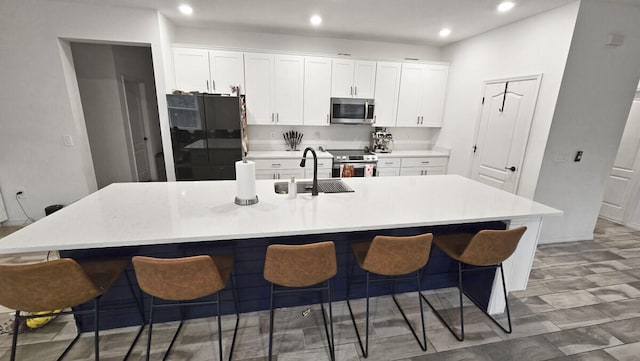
[(347, 170), (352, 111)]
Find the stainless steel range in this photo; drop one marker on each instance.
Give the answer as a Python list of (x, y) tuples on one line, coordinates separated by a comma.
[(353, 163)]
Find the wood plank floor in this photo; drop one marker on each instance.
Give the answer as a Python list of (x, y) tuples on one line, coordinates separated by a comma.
[(582, 303)]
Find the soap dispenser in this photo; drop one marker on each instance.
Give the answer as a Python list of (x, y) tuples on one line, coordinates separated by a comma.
[(293, 188)]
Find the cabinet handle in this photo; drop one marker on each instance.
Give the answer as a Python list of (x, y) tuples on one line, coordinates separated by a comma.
[(273, 119), (388, 163), (422, 119), (356, 88), (418, 119), (207, 85), (277, 117), (425, 162), (273, 176), (352, 90), (327, 118), (213, 85), (374, 119), (275, 165)]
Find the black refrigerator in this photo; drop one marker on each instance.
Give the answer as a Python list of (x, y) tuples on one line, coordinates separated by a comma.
[(205, 135)]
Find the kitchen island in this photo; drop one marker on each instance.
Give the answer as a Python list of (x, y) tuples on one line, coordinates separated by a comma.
[(185, 218)]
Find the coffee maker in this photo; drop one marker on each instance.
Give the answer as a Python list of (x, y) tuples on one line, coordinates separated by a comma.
[(381, 141)]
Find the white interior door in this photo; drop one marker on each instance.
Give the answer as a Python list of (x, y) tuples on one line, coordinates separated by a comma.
[(618, 195), (134, 103), (503, 132)]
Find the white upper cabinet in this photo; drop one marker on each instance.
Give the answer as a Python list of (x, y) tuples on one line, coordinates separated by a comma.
[(433, 96), (386, 94), (191, 69), (274, 88), (422, 91), (227, 69), (289, 83), (317, 91), (208, 71), (259, 88), (364, 79), (353, 78)]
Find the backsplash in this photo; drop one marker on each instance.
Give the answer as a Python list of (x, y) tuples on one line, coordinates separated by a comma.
[(269, 137)]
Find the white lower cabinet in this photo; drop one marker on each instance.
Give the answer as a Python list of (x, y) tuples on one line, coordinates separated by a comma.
[(284, 169), (424, 166), (388, 167)]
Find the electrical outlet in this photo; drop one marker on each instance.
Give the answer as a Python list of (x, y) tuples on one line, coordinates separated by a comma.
[(22, 194)]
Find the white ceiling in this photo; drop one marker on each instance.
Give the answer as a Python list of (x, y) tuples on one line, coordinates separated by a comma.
[(406, 21)]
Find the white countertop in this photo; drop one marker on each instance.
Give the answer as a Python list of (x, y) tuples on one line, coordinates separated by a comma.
[(130, 214), (413, 154), (279, 154)]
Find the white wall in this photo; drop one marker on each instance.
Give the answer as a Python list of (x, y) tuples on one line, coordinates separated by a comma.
[(40, 97), (595, 97), (103, 112), (265, 137), (539, 44)]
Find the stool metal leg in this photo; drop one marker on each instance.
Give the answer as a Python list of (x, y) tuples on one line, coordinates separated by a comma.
[(506, 301), (423, 343), (14, 342), (364, 348), (96, 318), (150, 328), (271, 325), (219, 317), (330, 338), (235, 302), (439, 316)]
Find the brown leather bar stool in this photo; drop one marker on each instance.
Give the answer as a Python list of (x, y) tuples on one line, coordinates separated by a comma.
[(301, 266), (485, 249), (395, 258), (58, 284), (185, 280)]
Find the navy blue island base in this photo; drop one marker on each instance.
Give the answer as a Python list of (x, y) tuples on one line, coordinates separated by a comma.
[(253, 290)]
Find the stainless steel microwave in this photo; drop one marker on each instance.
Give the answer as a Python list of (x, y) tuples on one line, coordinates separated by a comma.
[(352, 111)]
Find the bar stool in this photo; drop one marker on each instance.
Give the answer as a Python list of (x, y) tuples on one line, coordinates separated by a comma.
[(301, 266), (58, 284), (485, 249), (185, 280), (395, 258)]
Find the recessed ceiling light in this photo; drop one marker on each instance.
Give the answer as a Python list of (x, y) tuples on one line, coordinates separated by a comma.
[(185, 9), (315, 20), (444, 32), (505, 6)]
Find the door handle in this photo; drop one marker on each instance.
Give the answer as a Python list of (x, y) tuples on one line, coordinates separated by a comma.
[(512, 168)]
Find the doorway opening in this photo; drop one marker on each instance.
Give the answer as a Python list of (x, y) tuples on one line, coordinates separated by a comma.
[(119, 102)]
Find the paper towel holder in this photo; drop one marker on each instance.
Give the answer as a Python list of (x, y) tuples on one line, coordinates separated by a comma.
[(245, 202)]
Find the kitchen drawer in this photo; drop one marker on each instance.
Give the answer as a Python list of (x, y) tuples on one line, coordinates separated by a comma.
[(389, 162), (322, 173), (423, 170), (280, 173), (425, 162), (277, 163), (322, 163)]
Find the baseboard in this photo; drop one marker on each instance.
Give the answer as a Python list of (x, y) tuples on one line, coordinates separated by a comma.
[(567, 239)]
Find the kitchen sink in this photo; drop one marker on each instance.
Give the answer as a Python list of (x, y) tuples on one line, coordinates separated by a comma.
[(324, 186)]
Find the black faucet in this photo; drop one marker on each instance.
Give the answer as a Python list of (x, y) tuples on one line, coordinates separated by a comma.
[(314, 190)]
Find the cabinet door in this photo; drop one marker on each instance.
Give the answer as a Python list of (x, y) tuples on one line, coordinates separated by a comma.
[(317, 90), (265, 174), (409, 109), (227, 69), (364, 82), (342, 78), (286, 174), (387, 172), (322, 173), (289, 84), (191, 69), (386, 94), (433, 95), (258, 70)]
